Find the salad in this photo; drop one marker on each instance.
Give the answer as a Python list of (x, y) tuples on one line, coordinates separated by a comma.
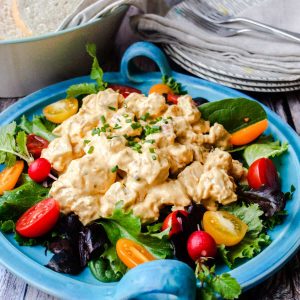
[(109, 178)]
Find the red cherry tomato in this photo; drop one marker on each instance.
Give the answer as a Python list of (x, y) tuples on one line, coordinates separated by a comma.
[(39, 169), (174, 220), (35, 145), (201, 244), (39, 219), (123, 89), (263, 172), (173, 99)]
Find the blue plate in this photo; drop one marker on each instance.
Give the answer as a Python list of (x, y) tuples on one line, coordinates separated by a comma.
[(164, 279)]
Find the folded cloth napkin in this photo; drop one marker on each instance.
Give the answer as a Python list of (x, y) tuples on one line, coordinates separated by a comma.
[(254, 50), (89, 10)]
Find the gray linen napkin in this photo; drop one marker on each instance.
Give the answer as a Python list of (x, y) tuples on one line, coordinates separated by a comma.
[(254, 50)]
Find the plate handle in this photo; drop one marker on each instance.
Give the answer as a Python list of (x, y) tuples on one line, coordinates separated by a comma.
[(148, 50), (159, 279)]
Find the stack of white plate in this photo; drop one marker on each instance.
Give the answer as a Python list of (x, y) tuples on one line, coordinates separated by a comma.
[(202, 64)]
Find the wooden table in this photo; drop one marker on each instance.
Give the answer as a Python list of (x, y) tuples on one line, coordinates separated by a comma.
[(283, 285)]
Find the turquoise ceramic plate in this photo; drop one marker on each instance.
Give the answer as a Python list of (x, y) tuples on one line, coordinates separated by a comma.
[(160, 279)]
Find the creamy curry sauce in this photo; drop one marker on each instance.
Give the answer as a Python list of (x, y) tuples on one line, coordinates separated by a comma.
[(142, 151)]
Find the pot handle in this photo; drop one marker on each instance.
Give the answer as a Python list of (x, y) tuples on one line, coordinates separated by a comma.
[(148, 50), (159, 279)]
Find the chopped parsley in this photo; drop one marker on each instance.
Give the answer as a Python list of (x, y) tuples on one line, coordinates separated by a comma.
[(151, 130), (145, 117), (96, 130), (154, 157), (103, 120), (136, 125), (135, 146), (115, 169), (150, 141), (125, 115), (86, 141), (117, 126), (151, 150), (112, 108), (128, 120), (91, 150)]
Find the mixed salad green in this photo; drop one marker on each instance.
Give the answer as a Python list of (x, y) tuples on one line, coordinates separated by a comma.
[(97, 245)]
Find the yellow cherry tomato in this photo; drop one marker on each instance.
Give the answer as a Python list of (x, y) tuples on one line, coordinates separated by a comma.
[(132, 253), (60, 111), (224, 227), (160, 88), (9, 176)]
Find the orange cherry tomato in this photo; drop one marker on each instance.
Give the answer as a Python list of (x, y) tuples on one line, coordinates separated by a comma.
[(132, 253), (39, 219), (160, 88), (60, 111), (248, 134), (224, 227), (9, 176)]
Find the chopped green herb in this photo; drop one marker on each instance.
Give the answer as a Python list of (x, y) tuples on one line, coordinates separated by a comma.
[(152, 150), (136, 125), (91, 150), (150, 141), (96, 130), (117, 126), (86, 141), (111, 108), (174, 85), (145, 117), (103, 120), (128, 120), (169, 118), (151, 130), (154, 157), (115, 169), (103, 129), (125, 115)]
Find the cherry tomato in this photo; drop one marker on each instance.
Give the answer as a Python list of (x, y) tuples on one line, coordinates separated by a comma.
[(39, 169), (123, 89), (132, 253), (161, 89), (201, 244), (174, 220), (35, 145), (39, 219), (9, 176), (263, 172), (224, 227), (60, 111), (172, 98)]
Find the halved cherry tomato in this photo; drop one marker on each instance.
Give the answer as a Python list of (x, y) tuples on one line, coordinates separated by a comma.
[(124, 90), (174, 221), (263, 172), (60, 111), (39, 169), (224, 227), (39, 219), (172, 98), (161, 89), (9, 176), (248, 134), (35, 144), (132, 253)]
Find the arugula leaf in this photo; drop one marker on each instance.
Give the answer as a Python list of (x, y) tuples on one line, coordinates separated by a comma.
[(108, 267), (125, 225), (175, 86), (10, 148), (14, 203), (254, 240), (234, 114), (37, 126), (96, 72), (211, 284), (81, 89), (256, 151)]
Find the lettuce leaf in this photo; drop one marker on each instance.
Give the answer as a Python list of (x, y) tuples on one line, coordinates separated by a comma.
[(255, 239), (125, 225), (259, 150)]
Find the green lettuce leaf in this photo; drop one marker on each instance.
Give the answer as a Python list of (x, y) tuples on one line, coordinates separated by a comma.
[(14, 203), (81, 89), (234, 114), (108, 267), (125, 225), (175, 86), (11, 147), (255, 239), (38, 126), (259, 150)]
